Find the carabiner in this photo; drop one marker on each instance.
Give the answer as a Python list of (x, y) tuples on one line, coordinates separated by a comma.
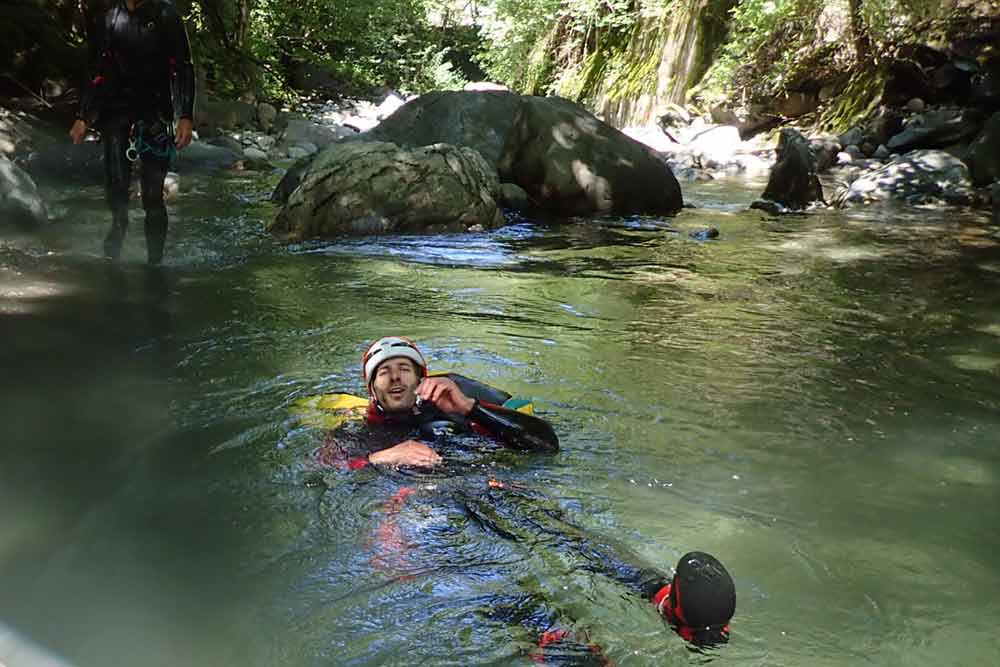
[(132, 153)]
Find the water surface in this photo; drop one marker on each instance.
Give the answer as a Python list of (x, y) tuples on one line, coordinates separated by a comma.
[(812, 399)]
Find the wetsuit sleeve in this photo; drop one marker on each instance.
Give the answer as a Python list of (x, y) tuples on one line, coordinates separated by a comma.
[(95, 82), (515, 429), (181, 64)]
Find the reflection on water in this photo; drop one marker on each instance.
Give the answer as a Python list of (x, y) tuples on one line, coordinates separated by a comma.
[(811, 398)]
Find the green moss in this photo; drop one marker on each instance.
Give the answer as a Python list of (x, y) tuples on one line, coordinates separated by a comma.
[(859, 100)]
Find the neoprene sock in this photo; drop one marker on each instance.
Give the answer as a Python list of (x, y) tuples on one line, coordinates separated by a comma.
[(156, 235), (116, 235)]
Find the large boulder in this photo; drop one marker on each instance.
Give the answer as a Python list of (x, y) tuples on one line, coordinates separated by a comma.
[(793, 183), (298, 131), (984, 153), (475, 119), (570, 162), (916, 177), (20, 202), (368, 187), (937, 129), (17, 131)]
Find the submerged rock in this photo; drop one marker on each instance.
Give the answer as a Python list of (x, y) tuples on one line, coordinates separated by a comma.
[(793, 184), (363, 187), (20, 202), (916, 177)]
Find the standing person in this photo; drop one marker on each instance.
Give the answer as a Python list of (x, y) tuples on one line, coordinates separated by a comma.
[(140, 71)]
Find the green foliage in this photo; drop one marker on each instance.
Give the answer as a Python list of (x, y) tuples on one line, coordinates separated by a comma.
[(779, 45), (39, 40), (766, 41), (270, 47), (559, 46)]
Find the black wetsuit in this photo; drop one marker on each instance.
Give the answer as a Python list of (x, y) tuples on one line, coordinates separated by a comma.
[(140, 72), (350, 445)]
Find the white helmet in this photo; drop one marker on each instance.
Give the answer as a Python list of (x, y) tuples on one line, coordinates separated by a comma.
[(389, 348)]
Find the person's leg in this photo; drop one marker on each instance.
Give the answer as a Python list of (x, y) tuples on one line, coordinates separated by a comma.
[(154, 172), (117, 176)]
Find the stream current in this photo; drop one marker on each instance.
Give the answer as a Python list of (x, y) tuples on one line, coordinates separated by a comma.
[(813, 399)]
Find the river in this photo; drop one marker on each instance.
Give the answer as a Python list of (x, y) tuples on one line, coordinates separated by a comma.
[(812, 399)]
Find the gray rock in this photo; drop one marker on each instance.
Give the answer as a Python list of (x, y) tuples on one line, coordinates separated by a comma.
[(793, 183), (266, 142), (199, 155), (881, 153), (228, 143), (309, 147), (852, 137), (824, 150), (867, 149), (255, 154), (571, 163), (843, 157), (20, 202), (916, 177), (916, 105), (855, 152), (884, 126), (299, 131), (364, 187), (291, 179), (984, 153), (18, 132), (297, 152), (704, 234), (937, 129), (514, 197), (266, 115), (477, 120)]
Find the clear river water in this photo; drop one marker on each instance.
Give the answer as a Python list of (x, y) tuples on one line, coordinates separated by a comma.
[(813, 399)]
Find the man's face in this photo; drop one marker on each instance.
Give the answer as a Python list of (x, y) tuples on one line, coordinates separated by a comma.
[(395, 384)]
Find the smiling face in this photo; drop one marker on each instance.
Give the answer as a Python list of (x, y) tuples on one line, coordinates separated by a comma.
[(395, 385)]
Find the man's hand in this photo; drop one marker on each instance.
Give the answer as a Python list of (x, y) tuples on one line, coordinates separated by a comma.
[(445, 394), (406, 453), (78, 131), (184, 131)]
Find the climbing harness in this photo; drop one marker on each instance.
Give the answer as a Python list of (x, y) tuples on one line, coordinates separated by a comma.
[(137, 145)]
